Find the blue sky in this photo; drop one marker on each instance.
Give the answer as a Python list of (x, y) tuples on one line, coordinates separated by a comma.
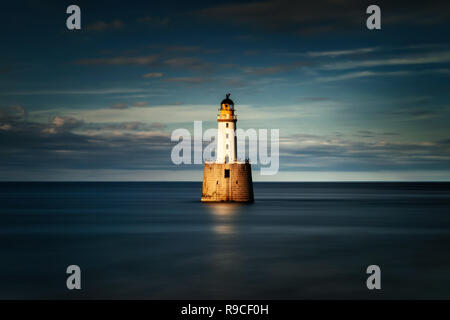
[(100, 103)]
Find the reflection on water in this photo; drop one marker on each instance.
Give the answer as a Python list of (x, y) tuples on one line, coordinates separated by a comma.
[(224, 215), (225, 255), (224, 211), (224, 229), (157, 240)]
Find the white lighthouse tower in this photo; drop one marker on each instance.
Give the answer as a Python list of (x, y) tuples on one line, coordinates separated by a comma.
[(226, 132), (226, 179)]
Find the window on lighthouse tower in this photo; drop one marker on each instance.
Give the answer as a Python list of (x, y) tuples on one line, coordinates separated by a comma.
[(227, 125)]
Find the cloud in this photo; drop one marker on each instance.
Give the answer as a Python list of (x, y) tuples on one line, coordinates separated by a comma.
[(5, 126), (154, 21), (180, 48), (66, 143), (141, 60), (19, 110), (140, 104), (337, 53), (315, 99), (121, 128), (191, 80), (414, 114), (107, 146), (106, 140), (366, 73), (58, 124), (184, 49), (187, 113), (102, 25), (267, 70), (119, 106), (39, 147), (362, 74), (74, 92), (66, 122), (280, 16), (153, 75), (365, 134), (315, 152), (191, 63), (132, 125), (158, 125), (94, 128), (11, 114), (297, 17), (425, 58)]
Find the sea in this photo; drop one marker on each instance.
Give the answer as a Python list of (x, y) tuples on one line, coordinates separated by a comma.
[(156, 240)]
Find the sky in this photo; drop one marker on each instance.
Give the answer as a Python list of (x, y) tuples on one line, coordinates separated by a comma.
[(101, 103)]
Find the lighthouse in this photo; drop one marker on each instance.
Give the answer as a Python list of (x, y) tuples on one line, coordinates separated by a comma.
[(226, 132), (226, 179)]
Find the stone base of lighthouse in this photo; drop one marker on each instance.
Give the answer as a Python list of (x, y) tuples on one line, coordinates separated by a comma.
[(227, 182)]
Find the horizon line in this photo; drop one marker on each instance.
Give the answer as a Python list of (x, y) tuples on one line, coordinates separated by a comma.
[(196, 181)]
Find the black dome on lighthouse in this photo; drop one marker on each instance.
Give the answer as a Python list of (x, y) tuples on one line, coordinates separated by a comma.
[(227, 100)]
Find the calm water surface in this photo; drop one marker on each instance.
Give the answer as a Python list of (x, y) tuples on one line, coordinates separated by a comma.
[(156, 240)]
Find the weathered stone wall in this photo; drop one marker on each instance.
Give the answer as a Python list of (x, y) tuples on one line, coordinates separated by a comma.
[(237, 188)]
